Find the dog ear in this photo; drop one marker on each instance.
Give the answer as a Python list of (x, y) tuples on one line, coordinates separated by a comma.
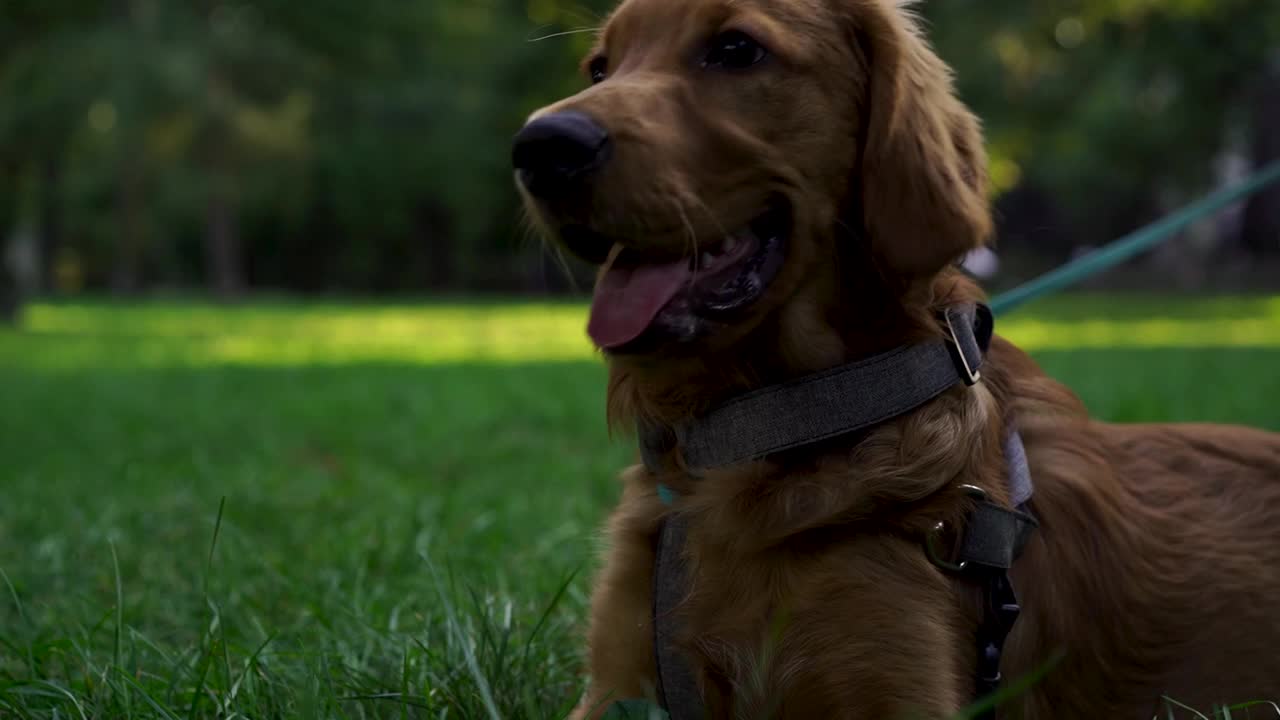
[(921, 171)]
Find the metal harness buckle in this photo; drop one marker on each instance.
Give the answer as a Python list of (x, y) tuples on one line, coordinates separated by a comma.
[(971, 375), (1000, 606), (933, 541)]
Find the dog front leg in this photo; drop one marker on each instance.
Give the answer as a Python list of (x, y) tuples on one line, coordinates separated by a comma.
[(620, 633)]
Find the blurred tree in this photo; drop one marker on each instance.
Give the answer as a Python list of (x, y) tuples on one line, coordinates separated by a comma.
[(1115, 109), (331, 145), (1261, 230), (36, 65), (9, 300)]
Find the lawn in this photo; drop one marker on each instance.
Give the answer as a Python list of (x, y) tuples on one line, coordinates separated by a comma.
[(376, 510)]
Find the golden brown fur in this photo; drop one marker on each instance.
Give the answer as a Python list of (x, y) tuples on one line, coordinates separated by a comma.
[(1157, 566)]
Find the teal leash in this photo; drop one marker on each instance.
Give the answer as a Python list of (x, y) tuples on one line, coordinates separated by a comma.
[(666, 494), (1134, 243)]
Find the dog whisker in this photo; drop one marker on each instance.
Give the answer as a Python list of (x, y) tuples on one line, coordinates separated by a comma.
[(692, 236), (564, 33)]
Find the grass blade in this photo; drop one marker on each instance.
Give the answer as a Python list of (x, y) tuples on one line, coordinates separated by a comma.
[(13, 593), (160, 710), (117, 648), (455, 627), (1173, 702)]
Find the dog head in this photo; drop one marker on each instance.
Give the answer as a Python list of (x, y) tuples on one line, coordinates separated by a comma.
[(733, 157)]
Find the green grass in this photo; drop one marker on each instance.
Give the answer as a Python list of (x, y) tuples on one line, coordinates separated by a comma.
[(411, 493)]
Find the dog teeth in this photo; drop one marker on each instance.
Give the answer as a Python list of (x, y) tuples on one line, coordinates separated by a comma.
[(730, 243), (707, 259)]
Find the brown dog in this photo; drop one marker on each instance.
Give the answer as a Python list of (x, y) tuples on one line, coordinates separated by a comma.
[(777, 187)]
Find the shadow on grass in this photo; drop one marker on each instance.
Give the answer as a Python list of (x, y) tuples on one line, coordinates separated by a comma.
[(1210, 384)]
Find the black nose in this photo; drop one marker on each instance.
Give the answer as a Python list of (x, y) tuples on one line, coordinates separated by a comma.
[(555, 152)]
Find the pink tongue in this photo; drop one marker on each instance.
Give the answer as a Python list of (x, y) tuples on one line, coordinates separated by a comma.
[(627, 299)]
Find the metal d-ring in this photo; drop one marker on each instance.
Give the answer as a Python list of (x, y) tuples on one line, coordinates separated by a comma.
[(933, 540)]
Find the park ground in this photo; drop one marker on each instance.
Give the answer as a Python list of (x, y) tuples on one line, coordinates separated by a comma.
[(357, 510)]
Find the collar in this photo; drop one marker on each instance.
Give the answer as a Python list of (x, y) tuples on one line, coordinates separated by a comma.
[(827, 404)]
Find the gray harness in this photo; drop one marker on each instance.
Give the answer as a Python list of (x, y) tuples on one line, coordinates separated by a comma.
[(832, 404)]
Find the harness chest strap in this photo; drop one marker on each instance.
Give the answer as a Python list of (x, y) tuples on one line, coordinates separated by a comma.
[(829, 404)]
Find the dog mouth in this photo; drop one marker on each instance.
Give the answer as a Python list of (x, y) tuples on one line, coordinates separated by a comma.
[(640, 300)]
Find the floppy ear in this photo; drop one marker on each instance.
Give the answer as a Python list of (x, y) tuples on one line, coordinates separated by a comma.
[(922, 167)]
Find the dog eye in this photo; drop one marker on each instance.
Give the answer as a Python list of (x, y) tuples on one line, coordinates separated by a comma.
[(598, 69), (734, 50)]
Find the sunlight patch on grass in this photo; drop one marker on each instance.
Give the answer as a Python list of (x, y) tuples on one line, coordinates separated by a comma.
[(71, 336), (68, 336), (1034, 334)]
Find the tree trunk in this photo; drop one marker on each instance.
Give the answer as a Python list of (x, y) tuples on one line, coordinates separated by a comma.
[(9, 302), (222, 243), (126, 266), (1260, 233), (434, 232), (223, 256), (9, 297), (50, 235), (126, 271)]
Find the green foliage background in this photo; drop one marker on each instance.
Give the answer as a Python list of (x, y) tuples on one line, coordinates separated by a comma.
[(330, 145)]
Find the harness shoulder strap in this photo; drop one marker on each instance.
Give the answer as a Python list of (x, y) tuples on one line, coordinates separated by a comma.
[(677, 688), (994, 535)]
